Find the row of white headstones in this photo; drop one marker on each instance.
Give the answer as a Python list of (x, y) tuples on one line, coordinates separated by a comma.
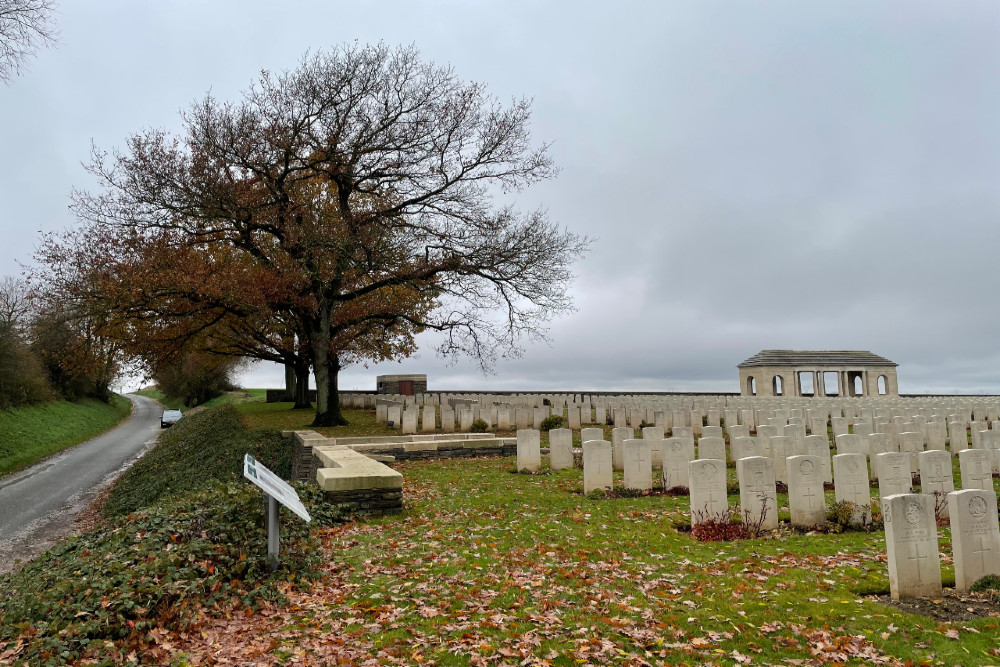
[(910, 518)]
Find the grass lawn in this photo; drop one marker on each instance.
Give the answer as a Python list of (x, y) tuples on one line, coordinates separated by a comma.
[(490, 567), (29, 434)]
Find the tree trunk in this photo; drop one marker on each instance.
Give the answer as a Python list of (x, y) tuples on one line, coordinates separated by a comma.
[(301, 397), (290, 394), (326, 366)]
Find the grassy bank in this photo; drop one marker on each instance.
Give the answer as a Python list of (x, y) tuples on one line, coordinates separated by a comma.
[(29, 434), (238, 396)]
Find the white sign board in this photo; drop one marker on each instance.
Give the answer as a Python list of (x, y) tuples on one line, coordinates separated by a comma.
[(273, 486)]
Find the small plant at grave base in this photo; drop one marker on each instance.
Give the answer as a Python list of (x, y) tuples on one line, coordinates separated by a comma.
[(990, 582), (479, 426), (609, 420), (644, 424), (941, 517), (722, 527), (597, 494), (678, 490), (551, 422), (754, 525)]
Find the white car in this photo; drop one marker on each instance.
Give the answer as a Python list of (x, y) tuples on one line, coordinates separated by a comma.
[(169, 418)]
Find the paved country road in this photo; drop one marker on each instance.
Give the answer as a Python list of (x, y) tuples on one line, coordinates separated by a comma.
[(38, 505)]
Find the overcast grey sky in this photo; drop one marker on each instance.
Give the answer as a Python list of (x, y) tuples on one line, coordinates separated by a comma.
[(806, 175)]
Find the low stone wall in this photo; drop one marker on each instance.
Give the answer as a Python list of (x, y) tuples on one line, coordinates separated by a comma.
[(351, 471), (400, 448)]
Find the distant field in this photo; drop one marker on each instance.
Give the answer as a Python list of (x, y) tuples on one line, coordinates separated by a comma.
[(238, 396), (30, 434)]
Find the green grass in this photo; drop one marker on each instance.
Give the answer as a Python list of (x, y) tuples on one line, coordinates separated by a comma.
[(29, 434), (483, 567), (238, 396)]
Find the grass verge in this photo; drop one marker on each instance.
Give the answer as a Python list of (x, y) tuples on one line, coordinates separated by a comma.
[(185, 534), (29, 434), (238, 396)]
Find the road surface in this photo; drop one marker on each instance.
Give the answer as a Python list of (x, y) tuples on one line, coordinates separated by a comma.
[(38, 505)]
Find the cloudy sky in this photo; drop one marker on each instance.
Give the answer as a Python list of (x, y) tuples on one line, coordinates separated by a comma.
[(782, 174)]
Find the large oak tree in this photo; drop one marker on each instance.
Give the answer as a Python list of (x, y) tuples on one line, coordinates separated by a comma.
[(365, 181)]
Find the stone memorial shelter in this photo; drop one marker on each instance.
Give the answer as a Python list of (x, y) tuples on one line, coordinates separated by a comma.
[(804, 373)]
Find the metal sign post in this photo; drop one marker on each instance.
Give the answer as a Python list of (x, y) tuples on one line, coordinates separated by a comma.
[(278, 491)]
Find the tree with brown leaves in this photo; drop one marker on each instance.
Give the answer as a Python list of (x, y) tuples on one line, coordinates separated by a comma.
[(363, 181)]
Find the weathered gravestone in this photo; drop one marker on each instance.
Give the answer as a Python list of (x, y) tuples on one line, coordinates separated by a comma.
[(894, 476), (819, 445), (712, 448), (712, 432), (976, 469), (560, 448), (958, 437), (503, 418), (588, 434), (394, 416), (529, 450), (744, 446), (850, 443), (685, 432), (447, 419), (410, 420), (597, 471), (573, 417), (654, 435), (677, 456), (878, 443), (912, 443), (936, 472), (975, 536), (619, 435), (707, 482), (781, 449), (806, 501), (638, 464), (911, 542), (758, 500), (850, 483), (427, 420)]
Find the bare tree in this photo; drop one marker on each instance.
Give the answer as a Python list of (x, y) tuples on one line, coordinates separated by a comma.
[(365, 180), (25, 25)]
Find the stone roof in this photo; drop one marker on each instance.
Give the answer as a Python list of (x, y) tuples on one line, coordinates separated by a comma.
[(816, 358)]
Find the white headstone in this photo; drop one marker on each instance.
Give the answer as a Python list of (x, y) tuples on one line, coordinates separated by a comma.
[(911, 542), (975, 536), (850, 483), (757, 491), (936, 472), (819, 445), (597, 472), (638, 464), (712, 448), (677, 455), (976, 469), (894, 476), (560, 448), (529, 451), (707, 482), (588, 434), (619, 435), (806, 500)]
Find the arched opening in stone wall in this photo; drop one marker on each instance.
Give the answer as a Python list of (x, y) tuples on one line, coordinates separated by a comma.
[(806, 383), (751, 386), (858, 389), (831, 383), (777, 385), (882, 391)]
